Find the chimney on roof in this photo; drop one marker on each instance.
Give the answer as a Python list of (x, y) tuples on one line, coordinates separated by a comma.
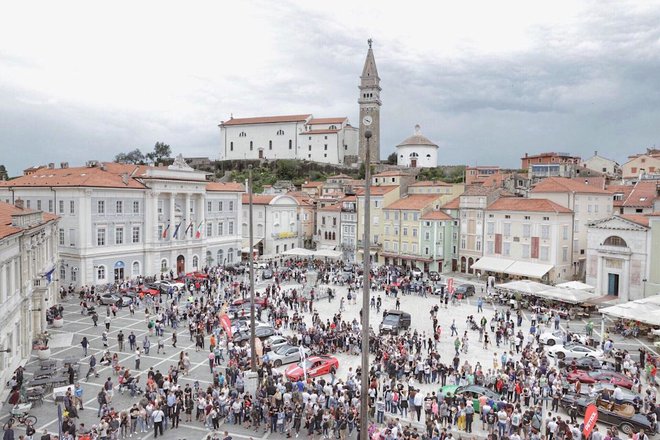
[(124, 178), (51, 165), (64, 165), (19, 203)]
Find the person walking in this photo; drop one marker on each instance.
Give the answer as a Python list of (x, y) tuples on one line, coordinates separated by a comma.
[(85, 344), (131, 341), (157, 416), (138, 353), (92, 367), (120, 340), (107, 322)]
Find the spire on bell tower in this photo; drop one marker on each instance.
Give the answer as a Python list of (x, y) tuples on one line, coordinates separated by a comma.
[(370, 103)]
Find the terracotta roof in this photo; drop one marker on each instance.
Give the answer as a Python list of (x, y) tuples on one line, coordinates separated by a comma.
[(7, 210), (320, 131), (376, 190), (266, 120), (108, 177), (312, 184), (431, 183), (417, 139), (325, 121), (301, 197), (436, 215), (413, 202), (452, 204), (225, 187), (258, 199), (526, 205), (390, 173), (478, 190), (642, 195), (340, 176), (624, 190), (636, 218), (565, 184), (333, 207), (597, 181)]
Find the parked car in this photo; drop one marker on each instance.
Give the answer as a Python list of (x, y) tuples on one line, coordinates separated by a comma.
[(261, 301), (274, 342), (471, 391), (600, 376), (243, 309), (176, 285), (109, 299), (314, 365), (434, 276), (259, 332), (585, 363), (267, 274), (416, 272), (552, 338), (394, 321), (574, 350), (464, 290), (622, 416), (286, 354)]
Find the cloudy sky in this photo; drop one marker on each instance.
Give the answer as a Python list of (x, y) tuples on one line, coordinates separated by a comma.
[(487, 81)]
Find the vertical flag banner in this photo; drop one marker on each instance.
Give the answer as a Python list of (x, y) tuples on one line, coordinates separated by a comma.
[(176, 230), (166, 229), (199, 229), (590, 419)]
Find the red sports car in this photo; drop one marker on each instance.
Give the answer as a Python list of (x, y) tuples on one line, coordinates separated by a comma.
[(600, 376), (258, 300), (315, 366), (197, 275)]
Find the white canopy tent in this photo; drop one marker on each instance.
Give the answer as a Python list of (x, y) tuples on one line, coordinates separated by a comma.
[(298, 252), (527, 269), (578, 285), (526, 287), (645, 310), (492, 264), (328, 253), (570, 296)]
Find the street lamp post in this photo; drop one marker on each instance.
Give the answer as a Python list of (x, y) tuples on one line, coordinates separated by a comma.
[(253, 349), (364, 389)]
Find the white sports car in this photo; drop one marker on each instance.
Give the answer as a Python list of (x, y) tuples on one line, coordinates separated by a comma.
[(552, 338), (574, 350)]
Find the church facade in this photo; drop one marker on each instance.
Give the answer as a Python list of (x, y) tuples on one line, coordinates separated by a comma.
[(303, 137)]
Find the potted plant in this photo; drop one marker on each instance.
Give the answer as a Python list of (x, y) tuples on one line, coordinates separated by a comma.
[(58, 321), (40, 344)]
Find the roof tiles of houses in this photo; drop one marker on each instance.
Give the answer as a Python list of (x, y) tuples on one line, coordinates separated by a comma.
[(267, 119), (527, 205), (636, 218), (390, 173), (565, 184), (376, 190), (258, 199), (7, 210), (312, 184), (642, 195), (413, 202), (225, 187), (436, 215), (452, 204), (106, 175), (325, 121), (431, 183)]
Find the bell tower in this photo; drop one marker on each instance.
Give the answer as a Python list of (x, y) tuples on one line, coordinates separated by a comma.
[(369, 101)]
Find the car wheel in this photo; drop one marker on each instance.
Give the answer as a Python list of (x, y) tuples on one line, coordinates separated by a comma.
[(277, 363), (550, 342), (561, 355), (627, 428)]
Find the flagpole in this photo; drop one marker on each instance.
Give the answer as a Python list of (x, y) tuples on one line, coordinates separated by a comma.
[(253, 348)]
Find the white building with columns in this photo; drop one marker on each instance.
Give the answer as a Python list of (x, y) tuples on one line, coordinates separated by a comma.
[(618, 255), (119, 221), (276, 220), (28, 253)]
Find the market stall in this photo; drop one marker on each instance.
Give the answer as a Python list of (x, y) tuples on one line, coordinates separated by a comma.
[(635, 318)]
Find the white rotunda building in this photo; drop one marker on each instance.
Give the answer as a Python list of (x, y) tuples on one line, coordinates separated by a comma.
[(417, 151)]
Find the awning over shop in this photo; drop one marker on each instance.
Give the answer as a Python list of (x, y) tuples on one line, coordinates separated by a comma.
[(526, 269), (493, 264), (246, 245), (569, 296), (526, 287), (298, 252), (575, 285), (645, 310), (328, 253)]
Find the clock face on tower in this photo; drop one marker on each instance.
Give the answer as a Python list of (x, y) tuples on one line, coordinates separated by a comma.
[(367, 120)]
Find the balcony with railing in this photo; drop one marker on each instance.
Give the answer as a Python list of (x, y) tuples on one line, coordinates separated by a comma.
[(284, 235)]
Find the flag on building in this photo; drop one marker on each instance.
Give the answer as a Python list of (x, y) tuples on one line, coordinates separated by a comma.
[(176, 230), (188, 228), (166, 229), (199, 230)]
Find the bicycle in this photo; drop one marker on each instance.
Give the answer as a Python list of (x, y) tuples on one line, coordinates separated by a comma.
[(20, 413)]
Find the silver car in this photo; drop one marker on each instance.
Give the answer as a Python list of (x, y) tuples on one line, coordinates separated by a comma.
[(286, 354)]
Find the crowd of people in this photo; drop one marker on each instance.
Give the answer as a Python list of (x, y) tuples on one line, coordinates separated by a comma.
[(527, 385)]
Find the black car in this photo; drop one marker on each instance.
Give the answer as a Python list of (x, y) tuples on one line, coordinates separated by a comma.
[(395, 321), (609, 413), (464, 290), (260, 332), (588, 363)]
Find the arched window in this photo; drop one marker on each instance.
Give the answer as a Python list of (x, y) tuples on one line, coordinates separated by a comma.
[(62, 273), (280, 132), (220, 257), (195, 262), (209, 258), (428, 156), (615, 241), (251, 146), (290, 144), (163, 265), (100, 273), (333, 127), (270, 145), (333, 236), (135, 268), (231, 146), (230, 256), (242, 134)]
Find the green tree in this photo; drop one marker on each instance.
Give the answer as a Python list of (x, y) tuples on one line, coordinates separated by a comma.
[(161, 151), (3, 173), (391, 159), (135, 157)]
